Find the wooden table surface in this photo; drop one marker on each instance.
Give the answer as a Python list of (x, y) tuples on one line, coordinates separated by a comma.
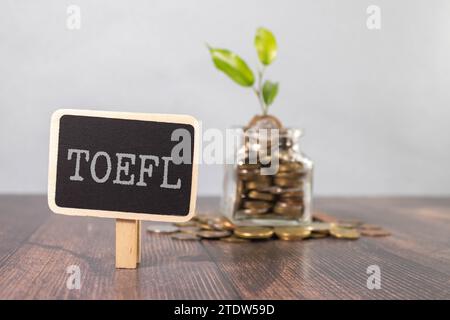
[(37, 246)]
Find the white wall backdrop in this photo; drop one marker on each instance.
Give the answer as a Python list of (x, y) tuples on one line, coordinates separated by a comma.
[(375, 104)]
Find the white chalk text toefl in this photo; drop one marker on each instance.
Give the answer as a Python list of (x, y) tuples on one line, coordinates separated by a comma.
[(125, 163)]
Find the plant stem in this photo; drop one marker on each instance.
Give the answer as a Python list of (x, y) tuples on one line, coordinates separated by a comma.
[(258, 90), (261, 101)]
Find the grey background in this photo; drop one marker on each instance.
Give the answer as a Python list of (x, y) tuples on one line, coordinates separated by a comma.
[(374, 104)]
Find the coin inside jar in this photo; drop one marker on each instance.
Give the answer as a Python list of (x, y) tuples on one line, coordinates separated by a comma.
[(246, 174), (295, 193), (289, 175), (290, 166), (257, 184), (273, 190), (252, 211), (254, 232), (288, 208), (256, 204), (257, 195), (248, 166), (287, 182)]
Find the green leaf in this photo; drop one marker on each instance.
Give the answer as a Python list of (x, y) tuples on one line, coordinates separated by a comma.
[(233, 66), (266, 46), (270, 91)]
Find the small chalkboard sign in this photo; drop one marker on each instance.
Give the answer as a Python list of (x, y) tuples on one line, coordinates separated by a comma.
[(123, 165)]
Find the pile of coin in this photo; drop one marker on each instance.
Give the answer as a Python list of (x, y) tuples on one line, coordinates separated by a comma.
[(280, 195), (215, 227)]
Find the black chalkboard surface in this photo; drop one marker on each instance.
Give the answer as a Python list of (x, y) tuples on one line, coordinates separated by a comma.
[(123, 165)]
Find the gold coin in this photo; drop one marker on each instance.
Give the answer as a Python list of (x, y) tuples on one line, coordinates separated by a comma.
[(318, 235), (289, 175), (264, 122), (257, 184), (349, 223), (273, 190), (292, 194), (285, 182), (263, 178), (344, 233), (284, 156), (245, 174), (213, 234), (192, 230), (290, 166), (253, 232), (222, 223), (288, 208), (320, 227), (271, 215), (295, 201), (234, 239), (248, 166), (256, 204), (290, 238), (292, 233), (239, 190), (288, 190), (375, 233), (185, 236), (162, 228), (205, 225), (267, 159), (252, 211), (257, 195)]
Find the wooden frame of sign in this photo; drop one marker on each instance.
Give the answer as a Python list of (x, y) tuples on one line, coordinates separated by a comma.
[(65, 199)]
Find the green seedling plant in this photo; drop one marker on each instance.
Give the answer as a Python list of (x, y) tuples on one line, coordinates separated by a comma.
[(237, 69)]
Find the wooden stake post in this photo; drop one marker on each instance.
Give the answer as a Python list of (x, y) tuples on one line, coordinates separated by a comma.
[(128, 243)]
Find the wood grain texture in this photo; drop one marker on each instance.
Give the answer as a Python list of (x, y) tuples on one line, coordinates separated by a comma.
[(127, 243), (37, 247)]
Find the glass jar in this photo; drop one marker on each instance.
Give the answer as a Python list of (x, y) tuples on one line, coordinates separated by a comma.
[(268, 180)]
